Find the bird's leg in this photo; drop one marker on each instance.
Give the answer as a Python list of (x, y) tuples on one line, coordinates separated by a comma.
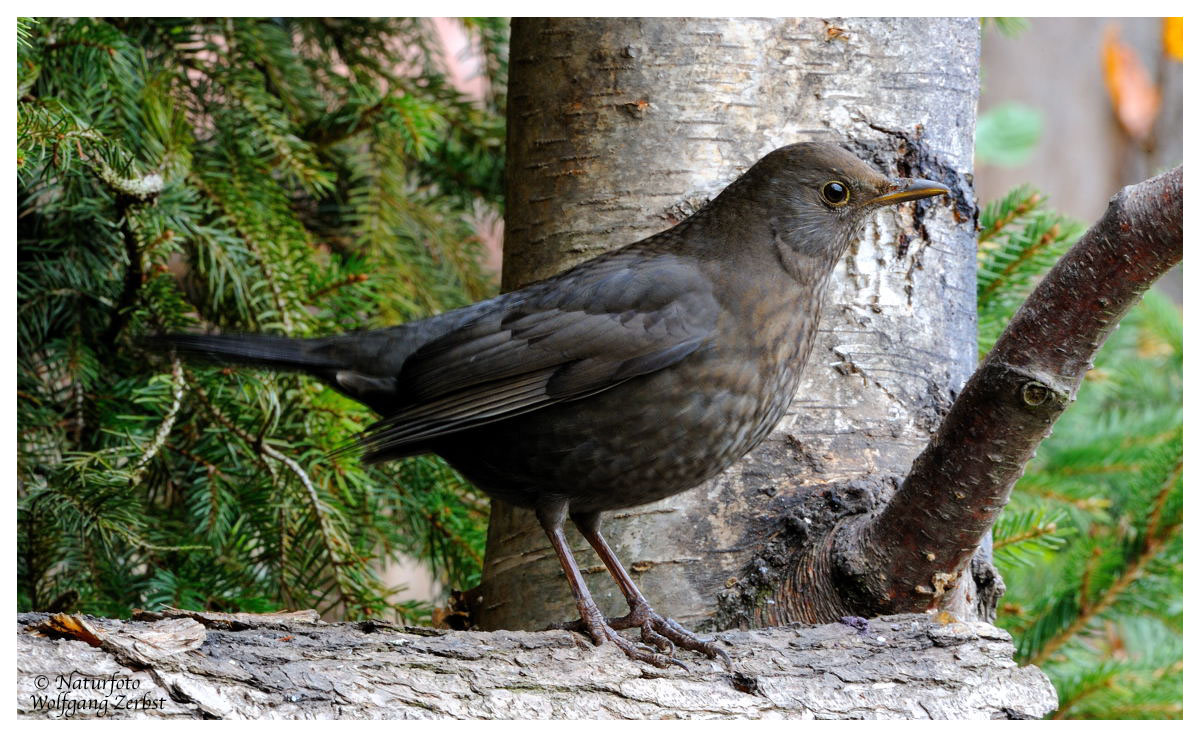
[(657, 630), (591, 621)]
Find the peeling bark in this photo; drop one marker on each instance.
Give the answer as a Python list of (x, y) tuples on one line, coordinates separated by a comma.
[(204, 665)]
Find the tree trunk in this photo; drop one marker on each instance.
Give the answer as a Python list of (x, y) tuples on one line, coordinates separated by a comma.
[(292, 666), (618, 129)]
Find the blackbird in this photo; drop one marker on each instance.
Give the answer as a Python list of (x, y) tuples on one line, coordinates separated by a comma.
[(629, 378)]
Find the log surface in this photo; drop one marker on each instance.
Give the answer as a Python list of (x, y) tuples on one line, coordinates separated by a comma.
[(192, 665)]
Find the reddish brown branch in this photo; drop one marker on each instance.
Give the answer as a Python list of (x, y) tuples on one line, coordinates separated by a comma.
[(909, 554)]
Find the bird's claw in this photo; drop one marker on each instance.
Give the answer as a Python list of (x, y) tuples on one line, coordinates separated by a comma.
[(658, 632), (602, 632), (674, 633), (649, 636)]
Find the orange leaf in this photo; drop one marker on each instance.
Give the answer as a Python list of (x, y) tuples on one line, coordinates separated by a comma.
[(1135, 98), (1173, 38)]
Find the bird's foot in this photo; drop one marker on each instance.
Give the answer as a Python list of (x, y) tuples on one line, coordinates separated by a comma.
[(662, 633), (600, 631)]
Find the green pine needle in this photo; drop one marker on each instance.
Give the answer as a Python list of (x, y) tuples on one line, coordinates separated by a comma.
[(312, 180)]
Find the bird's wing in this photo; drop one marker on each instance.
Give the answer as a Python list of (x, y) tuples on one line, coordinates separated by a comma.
[(578, 334)]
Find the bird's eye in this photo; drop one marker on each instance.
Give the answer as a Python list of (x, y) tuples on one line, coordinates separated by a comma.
[(835, 193)]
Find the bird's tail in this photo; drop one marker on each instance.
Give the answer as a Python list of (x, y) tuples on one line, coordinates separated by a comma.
[(364, 365), (267, 351)]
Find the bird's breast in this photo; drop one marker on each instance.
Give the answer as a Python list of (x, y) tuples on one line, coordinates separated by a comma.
[(654, 435)]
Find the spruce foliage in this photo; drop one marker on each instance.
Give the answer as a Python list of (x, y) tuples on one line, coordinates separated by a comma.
[(1091, 544), (300, 177)]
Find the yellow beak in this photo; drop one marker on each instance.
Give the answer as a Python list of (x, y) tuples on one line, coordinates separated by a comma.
[(903, 190)]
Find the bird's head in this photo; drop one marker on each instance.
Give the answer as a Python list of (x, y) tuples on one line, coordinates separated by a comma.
[(818, 196)]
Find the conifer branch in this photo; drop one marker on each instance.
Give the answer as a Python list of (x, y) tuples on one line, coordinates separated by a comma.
[(268, 272), (449, 534), (132, 282), (209, 466), (1033, 533), (1090, 504), (1013, 213), (1026, 254), (56, 45), (333, 542), (348, 281), (1160, 501), (138, 189), (1081, 694), (1135, 711), (178, 386), (254, 248), (1151, 547)]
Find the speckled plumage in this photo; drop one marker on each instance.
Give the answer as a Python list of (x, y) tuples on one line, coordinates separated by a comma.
[(629, 378)]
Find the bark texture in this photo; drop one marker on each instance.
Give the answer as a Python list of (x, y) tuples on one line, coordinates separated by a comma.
[(618, 129), (962, 481), (204, 665)]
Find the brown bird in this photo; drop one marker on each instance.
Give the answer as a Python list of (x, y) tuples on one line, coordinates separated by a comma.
[(627, 379)]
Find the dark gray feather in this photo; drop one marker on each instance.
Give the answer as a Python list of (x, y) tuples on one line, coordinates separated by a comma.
[(572, 336)]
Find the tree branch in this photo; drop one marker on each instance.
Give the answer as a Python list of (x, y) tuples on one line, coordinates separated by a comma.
[(128, 192), (908, 555)]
